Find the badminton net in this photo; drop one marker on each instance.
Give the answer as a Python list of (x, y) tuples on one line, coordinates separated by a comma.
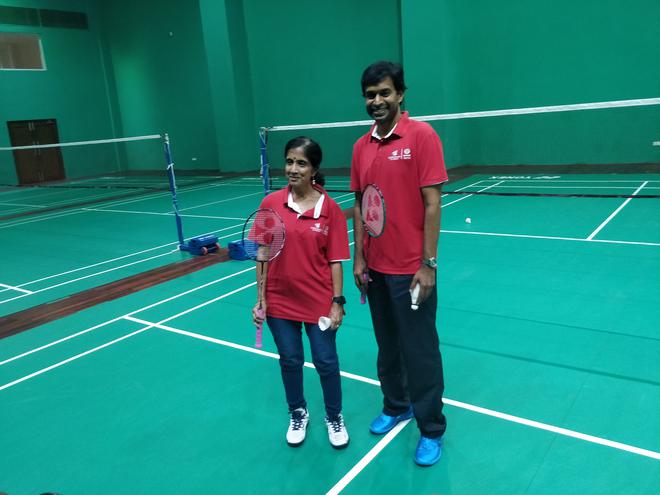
[(601, 149)]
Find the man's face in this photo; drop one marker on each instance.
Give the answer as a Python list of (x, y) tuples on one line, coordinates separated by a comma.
[(382, 101)]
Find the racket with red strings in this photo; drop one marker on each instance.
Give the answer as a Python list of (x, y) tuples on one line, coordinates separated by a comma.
[(373, 219), (263, 240)]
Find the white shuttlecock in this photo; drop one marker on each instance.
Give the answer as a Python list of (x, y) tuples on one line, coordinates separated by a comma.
[(324, 323), (414, 295), (468, 220)]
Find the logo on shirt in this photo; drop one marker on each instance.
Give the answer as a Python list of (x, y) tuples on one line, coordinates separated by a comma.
[(318, 229), (401, 154)]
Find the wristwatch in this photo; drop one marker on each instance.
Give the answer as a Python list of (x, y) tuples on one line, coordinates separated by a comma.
[(430, 262), (341, 300)]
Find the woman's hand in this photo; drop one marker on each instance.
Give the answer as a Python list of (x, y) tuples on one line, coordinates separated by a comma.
[(259, 313), (336, 315)]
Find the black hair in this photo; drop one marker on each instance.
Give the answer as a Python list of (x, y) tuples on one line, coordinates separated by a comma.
[(312, 151), (378, 71)]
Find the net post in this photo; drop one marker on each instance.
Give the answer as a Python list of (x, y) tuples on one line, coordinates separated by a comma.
[(170, 176), (265, 167)]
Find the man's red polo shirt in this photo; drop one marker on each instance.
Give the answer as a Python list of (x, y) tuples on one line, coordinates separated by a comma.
[(400, 164)]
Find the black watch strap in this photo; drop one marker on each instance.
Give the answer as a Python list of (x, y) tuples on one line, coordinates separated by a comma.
[(339, 300)]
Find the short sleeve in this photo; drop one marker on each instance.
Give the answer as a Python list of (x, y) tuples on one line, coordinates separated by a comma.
[(338, 249), (430, 158)]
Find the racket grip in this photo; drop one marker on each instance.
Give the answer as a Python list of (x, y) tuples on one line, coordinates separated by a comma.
[(260, 330), (363, 290)]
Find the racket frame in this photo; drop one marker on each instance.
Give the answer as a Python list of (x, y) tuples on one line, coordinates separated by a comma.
[(262, 263), (383, 209)]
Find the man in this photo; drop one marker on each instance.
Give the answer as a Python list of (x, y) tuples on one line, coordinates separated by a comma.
[(404, 159)]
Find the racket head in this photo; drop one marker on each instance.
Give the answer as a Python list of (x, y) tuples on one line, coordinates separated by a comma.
[(373, 210), (263, 235)]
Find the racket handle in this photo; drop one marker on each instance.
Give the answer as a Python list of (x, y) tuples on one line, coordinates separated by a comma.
[(363, 290), (260, 330)]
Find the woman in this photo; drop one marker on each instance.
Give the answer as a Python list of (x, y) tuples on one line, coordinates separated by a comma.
[(304, 283)]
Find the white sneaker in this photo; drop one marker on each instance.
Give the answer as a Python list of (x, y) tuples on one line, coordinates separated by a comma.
[(295, 435), (337, 433)]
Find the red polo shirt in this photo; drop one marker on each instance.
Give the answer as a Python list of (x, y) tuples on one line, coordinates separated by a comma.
[(400, 164), (299, 281)]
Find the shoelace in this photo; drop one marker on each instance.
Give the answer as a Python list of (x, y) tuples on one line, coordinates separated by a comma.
[(336, 425), (296, 421)]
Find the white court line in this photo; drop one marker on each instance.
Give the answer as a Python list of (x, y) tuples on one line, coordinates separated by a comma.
[(68, 201), (67, 282), (107, 344), (451, 402), (554, 429), (470, 195), (147, 196), (221, 201), (370, 456), (22, 205), (86, 267), (73, 358), (169, 214), (11, 287), (40, 218), (365, 461), (123, 257), (536, 186), (614, 213), (568, 181), (108, 322), (525, 236)]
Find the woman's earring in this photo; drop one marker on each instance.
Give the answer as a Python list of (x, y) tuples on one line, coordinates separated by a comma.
[(314, 180)]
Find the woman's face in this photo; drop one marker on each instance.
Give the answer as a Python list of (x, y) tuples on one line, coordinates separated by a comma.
[(297, 168)]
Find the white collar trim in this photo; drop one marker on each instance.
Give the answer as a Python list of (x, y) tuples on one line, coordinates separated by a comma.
[(294, 206), (375, 134)]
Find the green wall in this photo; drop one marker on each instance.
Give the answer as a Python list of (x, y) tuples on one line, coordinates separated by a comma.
[(231, 66), (73, 91), (158, 64), (484, 55), (292, 62)]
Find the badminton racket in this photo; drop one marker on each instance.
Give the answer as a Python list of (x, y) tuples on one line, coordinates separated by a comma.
[(263, 240), (373, 219)]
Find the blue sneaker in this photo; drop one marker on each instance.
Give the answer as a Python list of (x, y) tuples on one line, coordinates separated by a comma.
[(384, 423), (428, 451)]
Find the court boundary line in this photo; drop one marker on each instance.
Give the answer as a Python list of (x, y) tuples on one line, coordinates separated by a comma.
[(355, 470), (553, 238), (14, 288), (114, 320), (109, 261), (455, 403), (367, 458), (615, 213), (90, 275)]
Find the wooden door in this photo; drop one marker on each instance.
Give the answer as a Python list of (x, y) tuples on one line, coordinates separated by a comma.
[(52, 167), (36, 165), (26, 161)]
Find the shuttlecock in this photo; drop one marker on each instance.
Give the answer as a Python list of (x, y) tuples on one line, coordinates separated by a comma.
[(468, 220), (324, 323), (414, 295)]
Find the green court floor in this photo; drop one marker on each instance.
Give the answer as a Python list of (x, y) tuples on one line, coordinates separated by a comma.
[(548, 321)]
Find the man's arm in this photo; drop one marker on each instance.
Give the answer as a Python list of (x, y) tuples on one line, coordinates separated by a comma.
[(426, 276)]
